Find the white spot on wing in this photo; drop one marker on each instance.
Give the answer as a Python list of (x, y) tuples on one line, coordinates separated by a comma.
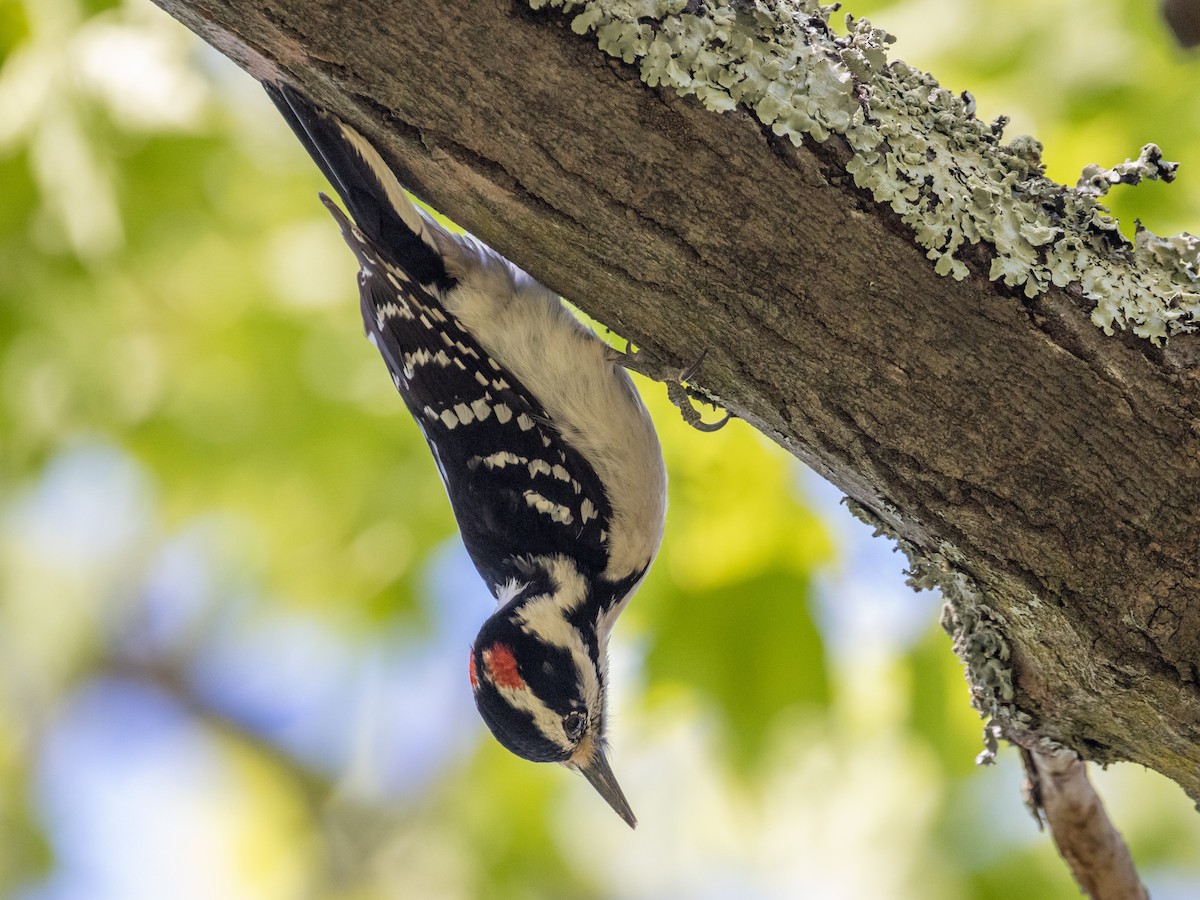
[(503, 413), (423, 357), (464, 413), (449, 419), (386, 311), (556, 511), (481, 409), (587, 510), (502, 459), (525, 422)]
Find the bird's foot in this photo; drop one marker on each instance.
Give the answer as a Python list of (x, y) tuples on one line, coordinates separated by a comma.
[(679, 389)]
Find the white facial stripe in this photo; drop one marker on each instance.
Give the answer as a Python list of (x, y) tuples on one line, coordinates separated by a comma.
[(548, 722), (545, 617)]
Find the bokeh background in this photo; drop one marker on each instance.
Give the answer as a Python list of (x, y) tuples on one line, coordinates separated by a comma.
[(234, 612)]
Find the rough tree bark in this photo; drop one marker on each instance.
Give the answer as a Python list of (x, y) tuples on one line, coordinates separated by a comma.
[(1045, 475)]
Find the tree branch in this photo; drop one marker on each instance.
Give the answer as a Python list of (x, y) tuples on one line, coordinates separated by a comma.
[(1059, 789), (1043, 474)]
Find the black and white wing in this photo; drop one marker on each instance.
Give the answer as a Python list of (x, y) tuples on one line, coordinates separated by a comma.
[(517, 487)]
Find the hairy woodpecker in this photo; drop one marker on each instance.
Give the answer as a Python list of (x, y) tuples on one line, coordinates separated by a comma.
[(549, 458)]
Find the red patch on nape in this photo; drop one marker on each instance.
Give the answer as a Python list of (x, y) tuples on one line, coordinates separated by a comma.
[(474, 680), (502, 667)]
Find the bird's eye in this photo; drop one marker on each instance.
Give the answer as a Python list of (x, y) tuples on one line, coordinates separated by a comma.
[(573, 724)]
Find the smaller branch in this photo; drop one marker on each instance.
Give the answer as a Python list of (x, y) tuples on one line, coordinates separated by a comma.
[(170, 676), (1058, 787), (355, 832)]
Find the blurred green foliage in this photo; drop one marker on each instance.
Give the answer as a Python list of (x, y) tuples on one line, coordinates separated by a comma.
[(170, 287)]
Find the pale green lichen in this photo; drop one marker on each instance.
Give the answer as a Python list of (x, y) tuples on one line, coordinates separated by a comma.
[(916, 147), (975, 627)]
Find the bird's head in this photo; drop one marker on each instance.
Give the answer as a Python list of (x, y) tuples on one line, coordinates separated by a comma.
[(538, 678)]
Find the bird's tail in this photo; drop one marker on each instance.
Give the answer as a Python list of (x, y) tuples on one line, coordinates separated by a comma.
[(367, 185)]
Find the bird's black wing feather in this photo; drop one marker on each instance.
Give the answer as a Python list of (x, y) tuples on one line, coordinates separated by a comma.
[(359, 186), (517, 487)]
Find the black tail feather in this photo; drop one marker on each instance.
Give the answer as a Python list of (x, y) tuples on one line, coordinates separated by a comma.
[(358, 186)]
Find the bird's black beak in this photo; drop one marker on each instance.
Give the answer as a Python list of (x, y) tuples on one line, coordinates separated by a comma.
[(600, 774)]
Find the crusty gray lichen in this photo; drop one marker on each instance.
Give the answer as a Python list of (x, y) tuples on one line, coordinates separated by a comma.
[(974, 626), (916, 147)]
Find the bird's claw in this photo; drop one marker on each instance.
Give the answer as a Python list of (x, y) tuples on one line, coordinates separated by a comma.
[(682, 398), (676, 382)]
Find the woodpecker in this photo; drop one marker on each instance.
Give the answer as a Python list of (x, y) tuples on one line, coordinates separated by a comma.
[(549, 458)]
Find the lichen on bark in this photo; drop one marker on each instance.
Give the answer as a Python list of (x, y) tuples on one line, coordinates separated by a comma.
[(916, 146)]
